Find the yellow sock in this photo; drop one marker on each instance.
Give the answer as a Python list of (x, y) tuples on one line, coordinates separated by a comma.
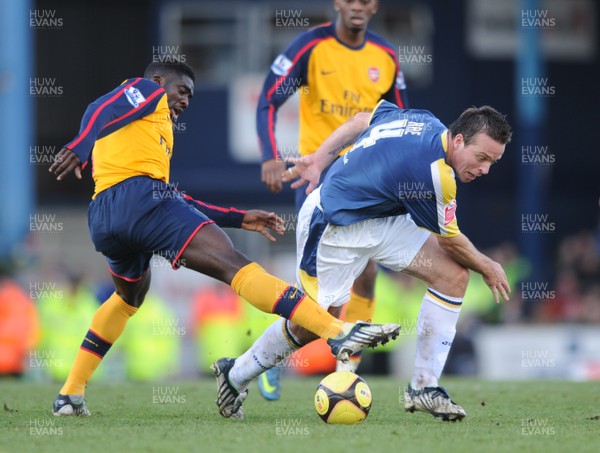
[(272, 295), (359, 308), (107, 325)]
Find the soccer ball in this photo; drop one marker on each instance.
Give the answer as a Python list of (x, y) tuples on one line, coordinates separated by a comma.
[(343, 398)]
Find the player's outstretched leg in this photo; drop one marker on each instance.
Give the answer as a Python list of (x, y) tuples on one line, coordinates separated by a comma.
[(348, 344), (280, 340), (435, 401), (229, 399), (356, 337)]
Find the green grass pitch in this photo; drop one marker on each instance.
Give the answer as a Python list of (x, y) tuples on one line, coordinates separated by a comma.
[(542, 416)]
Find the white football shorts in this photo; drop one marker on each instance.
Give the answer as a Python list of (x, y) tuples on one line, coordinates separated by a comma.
[(344, 251)]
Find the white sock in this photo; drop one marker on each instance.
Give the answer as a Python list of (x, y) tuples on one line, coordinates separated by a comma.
[(276, 343), (436, 327)]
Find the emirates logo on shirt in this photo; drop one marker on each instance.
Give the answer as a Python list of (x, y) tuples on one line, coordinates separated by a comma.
[(450, 212), (374, 74)]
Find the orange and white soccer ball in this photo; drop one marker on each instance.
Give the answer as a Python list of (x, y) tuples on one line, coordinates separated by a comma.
[(343, 398)]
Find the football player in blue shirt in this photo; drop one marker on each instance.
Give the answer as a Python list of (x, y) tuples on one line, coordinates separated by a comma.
[(392, 199)]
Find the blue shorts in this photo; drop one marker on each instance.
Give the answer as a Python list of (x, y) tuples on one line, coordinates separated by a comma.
[(140, 217)]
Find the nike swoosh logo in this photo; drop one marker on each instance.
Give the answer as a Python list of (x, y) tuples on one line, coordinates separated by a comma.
[(265, 382), (327, 72)]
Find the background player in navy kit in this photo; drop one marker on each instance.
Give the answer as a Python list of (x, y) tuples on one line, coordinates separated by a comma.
[(344, 68), (136, 213), (390, 198)]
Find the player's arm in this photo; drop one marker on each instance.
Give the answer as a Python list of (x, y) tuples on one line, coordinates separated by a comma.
[(132, 100), (309, 168), (464, 252), (286, 74), (252, 220), (397, 94), (435, 210)]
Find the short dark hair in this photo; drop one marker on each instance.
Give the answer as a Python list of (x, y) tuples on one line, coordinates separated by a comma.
[(485, 120), (164, 67)]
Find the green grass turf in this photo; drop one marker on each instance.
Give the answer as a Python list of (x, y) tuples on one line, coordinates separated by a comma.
[(511, 417)]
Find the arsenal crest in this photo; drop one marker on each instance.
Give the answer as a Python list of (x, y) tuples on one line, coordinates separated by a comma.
[(374, 74)]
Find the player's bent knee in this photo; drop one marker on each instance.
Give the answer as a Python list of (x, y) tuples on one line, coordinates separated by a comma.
[(133, 293), (134, 299), (212, 253), (456, 278), (232, 264)]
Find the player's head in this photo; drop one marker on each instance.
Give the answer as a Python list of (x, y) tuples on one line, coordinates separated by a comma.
[(354, 15), (477, 140), (177, 79)]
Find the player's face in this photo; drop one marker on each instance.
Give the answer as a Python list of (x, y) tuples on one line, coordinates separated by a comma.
[(475, 159), (179, 89), (356, 14)]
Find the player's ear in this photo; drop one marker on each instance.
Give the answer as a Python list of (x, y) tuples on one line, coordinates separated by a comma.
[(458, 139), (336, 5), (159, 80), (375, 6)]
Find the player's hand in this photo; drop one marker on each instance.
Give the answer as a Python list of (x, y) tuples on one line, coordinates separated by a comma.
[(259, 221), (65, 162), (495, 278), (304, 171), (271, 174)]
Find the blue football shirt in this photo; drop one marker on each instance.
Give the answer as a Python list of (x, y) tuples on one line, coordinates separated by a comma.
[(397, 166)]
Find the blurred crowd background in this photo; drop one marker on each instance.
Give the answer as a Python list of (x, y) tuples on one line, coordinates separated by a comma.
[(537, 213)]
